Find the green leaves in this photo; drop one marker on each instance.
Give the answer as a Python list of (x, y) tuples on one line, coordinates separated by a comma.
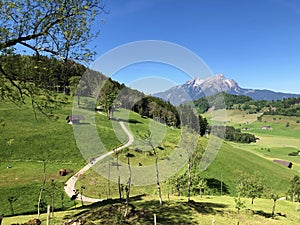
[(295, 188), (61, 29), (250, 185)]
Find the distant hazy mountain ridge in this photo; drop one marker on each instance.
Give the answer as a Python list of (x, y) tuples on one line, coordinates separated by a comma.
[(198, 88)]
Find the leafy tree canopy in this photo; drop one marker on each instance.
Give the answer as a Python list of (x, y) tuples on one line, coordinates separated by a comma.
[(57, 28)]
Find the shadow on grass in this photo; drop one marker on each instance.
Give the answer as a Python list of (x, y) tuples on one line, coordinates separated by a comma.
[(142, 212), (81, 123), (169, 213), (215, 186), (268, 215), (206, 207), (133, 121)]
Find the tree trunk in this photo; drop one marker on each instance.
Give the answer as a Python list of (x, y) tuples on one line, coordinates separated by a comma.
[(221, 185), (252, 201), (189, 179), (128, 189), (119, 182), (273, 209), (78, 100), (62, 201), (42, 189), (178, 188), (52, 196), (11, 208), (157, 181), (81, 194), (1, 218), (108, 181), (108, 112)]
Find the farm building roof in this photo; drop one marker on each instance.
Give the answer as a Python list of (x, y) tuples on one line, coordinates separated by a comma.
[(284, 163), (75, 117)]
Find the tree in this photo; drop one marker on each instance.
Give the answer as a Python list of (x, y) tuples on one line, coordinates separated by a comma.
[(175, 183), (295, 189), (74, 197), (148, 139), (202, 125), (202, 185), (127, 188), (41, 190), (11, 200), (2, 124), (119, 178), (53, 186), (274, 197), (81, 194), (239, 204), (189, 142), (108, 94), (62, 29), (251, 186)]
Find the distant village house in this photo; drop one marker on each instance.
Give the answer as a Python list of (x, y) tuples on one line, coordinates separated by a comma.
[(62, 172), (74, 119), (266, 128), (284, 163)]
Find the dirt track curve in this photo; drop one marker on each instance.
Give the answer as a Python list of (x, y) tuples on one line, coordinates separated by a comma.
[(70, 184)]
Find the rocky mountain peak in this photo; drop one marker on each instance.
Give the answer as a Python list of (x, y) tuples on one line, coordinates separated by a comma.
[(198, 88)]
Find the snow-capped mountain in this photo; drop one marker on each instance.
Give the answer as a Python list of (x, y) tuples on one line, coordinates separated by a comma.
[(198, 88)]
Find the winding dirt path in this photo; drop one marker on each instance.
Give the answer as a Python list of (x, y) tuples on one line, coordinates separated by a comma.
[(70, 184)]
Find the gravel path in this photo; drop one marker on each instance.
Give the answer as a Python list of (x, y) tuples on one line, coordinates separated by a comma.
[(70, 184)]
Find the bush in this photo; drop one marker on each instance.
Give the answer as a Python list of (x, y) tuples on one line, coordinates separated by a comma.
[(293, 154)]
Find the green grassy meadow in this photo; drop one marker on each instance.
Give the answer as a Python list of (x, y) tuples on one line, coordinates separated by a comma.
[(25, 142)]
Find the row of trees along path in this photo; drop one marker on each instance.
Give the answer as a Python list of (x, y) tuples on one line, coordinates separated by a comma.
[(70, 184)]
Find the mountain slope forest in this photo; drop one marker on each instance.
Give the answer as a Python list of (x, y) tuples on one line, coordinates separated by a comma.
[(222, 100), (63, 78)]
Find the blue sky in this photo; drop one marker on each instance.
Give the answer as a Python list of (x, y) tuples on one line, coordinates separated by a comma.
[(254, 42)]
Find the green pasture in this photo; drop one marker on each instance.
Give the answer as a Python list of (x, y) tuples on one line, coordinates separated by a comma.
[(14, 173), (25, 138), (223, 169), (25, 142), (231, 159), (162, 136), (276, 129), (231, 117), (282, 138)]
